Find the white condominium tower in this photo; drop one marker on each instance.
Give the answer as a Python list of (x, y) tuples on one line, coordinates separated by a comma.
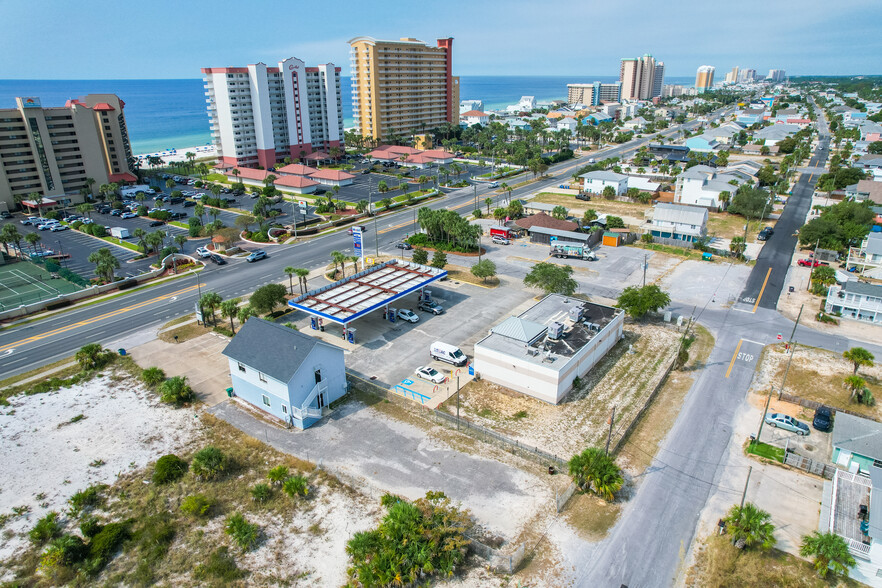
[(260, 115)]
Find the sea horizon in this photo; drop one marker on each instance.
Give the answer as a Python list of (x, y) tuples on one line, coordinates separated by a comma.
[(170, 113)]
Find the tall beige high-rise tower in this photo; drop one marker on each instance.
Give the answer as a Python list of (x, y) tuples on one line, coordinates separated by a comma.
[(401, 87), (638, 77), (704, 78)]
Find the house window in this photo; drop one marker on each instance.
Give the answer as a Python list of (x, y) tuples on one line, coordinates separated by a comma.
[(285, 408), (241, 367), (877, 463), (266, 400), (261, 377), (318, 376)]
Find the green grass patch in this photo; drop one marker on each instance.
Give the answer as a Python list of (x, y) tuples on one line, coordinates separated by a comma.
[(121, 243), (761, 449), (214, 177), (179, 225)]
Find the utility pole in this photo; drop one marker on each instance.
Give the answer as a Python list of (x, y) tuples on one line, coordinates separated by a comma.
[(792, 344), (612, 419), (475, 186), (746, 482), (457, 403), (644, 269)]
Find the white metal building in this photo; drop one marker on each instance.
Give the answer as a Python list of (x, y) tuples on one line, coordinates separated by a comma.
[(260, 115), (541, 351)]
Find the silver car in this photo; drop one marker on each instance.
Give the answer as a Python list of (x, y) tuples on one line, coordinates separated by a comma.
[(786, 422)]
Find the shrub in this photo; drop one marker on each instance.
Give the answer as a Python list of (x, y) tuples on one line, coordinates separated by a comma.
[(105, 544), (296, 486), (220, 565), (261, 493), (169, 468), (245, 534), (52, 267), (46, 529), (196, 505), (420, 256), (64, 551), (209, 462), (90, 526), (278, 474), (153, 376), (176, 391), (439, 259), (85, 499)]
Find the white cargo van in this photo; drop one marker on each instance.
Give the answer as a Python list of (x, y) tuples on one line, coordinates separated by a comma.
[(449, 353)]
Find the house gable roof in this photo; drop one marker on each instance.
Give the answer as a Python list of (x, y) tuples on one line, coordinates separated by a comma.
[(679, 213), (272, 349)]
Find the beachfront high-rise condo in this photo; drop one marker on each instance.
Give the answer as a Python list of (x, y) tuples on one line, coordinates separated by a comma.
[(704, 78), (593, 94), (260, 115), (402, 87), (53, 150), (776, 75), (638, 77)]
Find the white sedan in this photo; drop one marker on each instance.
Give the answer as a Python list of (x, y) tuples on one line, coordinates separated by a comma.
[(408, 315), (57, 228), (431, 374)]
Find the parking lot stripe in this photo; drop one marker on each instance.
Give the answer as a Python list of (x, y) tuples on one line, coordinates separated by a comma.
[(95, 319), (734, 355)]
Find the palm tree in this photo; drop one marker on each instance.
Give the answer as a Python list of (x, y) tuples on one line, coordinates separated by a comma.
[(105, 263), (33, 239), (9, 234), (858, 356), (302, 275), (593, 468), (179, 241), (37, 199), (830, 552), (749, 526), (199, 210), (488, 201), (155, 240), (337, 257), (354, 260), (362, 205), (235, 172), (209, 302), (140, 235), (229, 309), (386, 203), (290, 270), (85, 208), (855, 384)]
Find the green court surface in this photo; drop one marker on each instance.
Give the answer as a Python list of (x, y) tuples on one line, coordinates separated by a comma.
[(22, 282)]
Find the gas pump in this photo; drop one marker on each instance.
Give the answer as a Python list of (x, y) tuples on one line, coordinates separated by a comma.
[(321, 324), (313, 323), (392, 312), (351, 338)]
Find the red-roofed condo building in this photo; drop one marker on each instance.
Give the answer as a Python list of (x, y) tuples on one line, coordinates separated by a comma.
[(51, 151), (260, 115)]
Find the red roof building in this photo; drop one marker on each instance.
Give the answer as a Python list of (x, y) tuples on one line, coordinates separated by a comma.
[(296, 169)]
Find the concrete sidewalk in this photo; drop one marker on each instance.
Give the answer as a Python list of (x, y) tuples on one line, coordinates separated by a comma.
[(401, 458)]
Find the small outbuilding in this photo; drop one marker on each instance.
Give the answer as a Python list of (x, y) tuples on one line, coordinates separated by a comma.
[(611, 239), (284, 372)]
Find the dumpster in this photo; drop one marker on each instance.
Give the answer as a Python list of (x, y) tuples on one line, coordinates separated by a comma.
[(230, 392), (706, 256)]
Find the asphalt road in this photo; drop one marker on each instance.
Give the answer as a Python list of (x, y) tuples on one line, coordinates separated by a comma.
[(770, 272)]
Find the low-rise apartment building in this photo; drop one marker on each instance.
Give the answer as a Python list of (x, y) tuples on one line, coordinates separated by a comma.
[(678, 222), (855, 300)]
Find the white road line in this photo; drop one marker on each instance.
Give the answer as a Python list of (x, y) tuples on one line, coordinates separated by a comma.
[(32, 281), (755, 342)]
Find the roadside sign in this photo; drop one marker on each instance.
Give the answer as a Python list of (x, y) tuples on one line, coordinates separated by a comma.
[(199, 317), (356, 241), (780, 337), (471, 370)]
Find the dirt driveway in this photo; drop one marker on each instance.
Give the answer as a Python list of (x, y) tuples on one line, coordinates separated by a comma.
[(198, 359)]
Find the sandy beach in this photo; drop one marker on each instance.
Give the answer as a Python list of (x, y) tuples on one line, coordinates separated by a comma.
[(175, 155)]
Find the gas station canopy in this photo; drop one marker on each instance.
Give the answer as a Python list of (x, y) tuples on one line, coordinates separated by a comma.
[(372, 289)]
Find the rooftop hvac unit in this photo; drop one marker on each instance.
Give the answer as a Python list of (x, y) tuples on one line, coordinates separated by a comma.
[(555, 330), (576, 313), (593, 326)]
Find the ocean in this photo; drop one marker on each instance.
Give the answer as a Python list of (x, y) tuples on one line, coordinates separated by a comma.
[(170, 114)]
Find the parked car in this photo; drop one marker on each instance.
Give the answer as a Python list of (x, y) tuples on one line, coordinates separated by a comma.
[(5, 214), (408, 315), (47, 225), (255, 255), (157, 223), (366, 170), (787, 422), (405, 246), (116, 212), (583, 196), (765, 234), (31, 220), (43, 253), (57, 228), (431, 306), (431, 374), (189, 203), (493, 185), (128, 215), (175, 200), (70, 218), (823, 420), (810, 263), (178, 215), (203, 252), (218, 259), (500, 240)]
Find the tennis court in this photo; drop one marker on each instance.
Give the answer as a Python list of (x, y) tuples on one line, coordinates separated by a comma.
[(22, 282)]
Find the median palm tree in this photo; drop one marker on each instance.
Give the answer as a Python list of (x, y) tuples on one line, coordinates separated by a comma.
[(354, 260), (155, 240), (337, 257), (830, 552), (210, 302), (488, 201), (140, 234), (386, 203), (749, 526), (105, 263)]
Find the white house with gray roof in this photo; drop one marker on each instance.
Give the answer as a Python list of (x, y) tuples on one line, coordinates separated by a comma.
[(544, 349), (855, 300), (595, 181), (868, 257), (702, 185), (775, 134), (284, 372), (679, 222)]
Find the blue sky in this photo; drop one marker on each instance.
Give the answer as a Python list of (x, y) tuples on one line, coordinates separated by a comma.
[(111, 39)]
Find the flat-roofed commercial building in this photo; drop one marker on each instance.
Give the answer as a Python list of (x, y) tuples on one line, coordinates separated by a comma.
[(401, 87), (53, 150), (260, 115), (541, 351), (594, 94)]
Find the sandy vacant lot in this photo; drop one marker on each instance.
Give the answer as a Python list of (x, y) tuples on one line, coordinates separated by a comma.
[(624, 378)]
